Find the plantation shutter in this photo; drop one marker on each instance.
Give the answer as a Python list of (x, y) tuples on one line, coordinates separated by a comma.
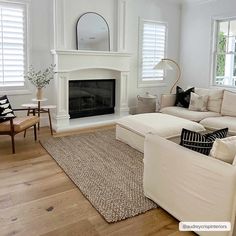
[(153, 49), (12, 45)]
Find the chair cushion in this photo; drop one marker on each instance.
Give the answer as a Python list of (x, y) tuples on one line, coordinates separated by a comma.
[(214, 100), (187, 114), (5, 109), (214, 123), (20, 123), (228, 105)]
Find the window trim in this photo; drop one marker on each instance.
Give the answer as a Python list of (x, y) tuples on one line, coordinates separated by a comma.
[(213, 54), (15, 90), (151, 83)]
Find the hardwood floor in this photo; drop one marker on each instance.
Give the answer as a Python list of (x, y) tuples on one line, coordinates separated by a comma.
[(37, 198)]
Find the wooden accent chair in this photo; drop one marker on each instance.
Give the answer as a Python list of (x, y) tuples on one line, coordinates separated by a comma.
[(16, 125)]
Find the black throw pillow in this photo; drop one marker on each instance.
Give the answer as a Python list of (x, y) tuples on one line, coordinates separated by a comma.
[(5, 109), (201, 142), (183, 97)]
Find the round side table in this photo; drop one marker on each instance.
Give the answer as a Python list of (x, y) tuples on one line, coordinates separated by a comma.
[(40, 109)]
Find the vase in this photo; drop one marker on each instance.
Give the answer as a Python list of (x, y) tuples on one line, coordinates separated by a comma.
[(39, 94)]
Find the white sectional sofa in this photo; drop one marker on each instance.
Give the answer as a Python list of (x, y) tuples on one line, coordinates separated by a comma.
[(221, 109), (190, 186)]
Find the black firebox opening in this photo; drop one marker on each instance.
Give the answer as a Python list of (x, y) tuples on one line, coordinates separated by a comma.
[(91, 97)]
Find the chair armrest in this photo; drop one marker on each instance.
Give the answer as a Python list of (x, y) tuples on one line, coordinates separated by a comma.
[(167, 100), (25, 109)]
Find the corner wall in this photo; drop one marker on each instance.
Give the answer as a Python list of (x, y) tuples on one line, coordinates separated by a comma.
[(196, 36)]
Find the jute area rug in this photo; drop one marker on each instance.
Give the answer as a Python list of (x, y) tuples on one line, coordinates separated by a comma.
[(109, 173)]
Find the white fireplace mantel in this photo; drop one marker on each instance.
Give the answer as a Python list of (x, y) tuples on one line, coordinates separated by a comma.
[(74, 64), (72, 60)]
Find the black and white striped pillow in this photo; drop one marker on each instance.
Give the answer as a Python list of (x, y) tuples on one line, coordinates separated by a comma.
[(201, 142), (5, 109)]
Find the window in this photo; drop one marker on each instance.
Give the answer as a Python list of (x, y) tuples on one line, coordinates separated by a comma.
[(12, 45), (153, 37), (225, 53)]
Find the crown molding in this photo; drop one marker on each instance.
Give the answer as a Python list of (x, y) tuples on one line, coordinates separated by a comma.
[(196, 2)]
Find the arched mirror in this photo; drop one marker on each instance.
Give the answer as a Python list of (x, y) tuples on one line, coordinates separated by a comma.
[(92, 33)]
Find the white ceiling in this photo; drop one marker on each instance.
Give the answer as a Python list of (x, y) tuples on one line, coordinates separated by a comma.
[(190, 1)]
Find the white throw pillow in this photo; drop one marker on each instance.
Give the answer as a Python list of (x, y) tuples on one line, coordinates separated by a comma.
[(215, 98), (224, 149), (197, 102), (228, 105)]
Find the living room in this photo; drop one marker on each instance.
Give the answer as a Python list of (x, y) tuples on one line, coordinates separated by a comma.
[(44, 189)]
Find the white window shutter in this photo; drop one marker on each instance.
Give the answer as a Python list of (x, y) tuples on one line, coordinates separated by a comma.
[(153, 49), (12, 46)]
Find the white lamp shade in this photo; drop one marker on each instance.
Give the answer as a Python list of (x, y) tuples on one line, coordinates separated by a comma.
[(163, 65)]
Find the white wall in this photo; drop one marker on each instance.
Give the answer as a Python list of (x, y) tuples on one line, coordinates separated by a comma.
[(195, 55), (151, 10), (73, 9), (148, 9), (40, 42)]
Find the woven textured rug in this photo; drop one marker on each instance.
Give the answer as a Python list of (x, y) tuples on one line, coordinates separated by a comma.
[(109, 173)]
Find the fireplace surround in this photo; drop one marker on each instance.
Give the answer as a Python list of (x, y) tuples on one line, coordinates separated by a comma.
[(91, 97), (74, 65)]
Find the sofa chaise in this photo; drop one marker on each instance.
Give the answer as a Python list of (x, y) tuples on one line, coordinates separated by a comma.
[(133, 129)]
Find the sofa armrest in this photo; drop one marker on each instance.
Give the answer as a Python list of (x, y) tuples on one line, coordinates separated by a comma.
[(189, 185), (167, 100)]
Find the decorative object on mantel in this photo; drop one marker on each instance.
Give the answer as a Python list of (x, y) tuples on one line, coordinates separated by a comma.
[(103, 171), (92, 32), (40, 79), (167, 64), (146, 103)]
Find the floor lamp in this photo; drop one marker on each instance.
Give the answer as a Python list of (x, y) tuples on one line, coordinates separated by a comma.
[(167, 64)]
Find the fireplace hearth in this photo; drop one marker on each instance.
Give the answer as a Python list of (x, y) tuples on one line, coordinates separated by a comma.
[(91, 97)]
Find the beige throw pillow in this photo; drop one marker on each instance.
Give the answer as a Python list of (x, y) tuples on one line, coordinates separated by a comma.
[(214, 100), (224, 149), (228, 105), (197, 102)]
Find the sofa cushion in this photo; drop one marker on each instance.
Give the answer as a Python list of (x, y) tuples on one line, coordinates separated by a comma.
[(214, 123), (183, 97), (201, 143), (224, 149), (214, 100), (228, 105), (187, 114), (198, 102)]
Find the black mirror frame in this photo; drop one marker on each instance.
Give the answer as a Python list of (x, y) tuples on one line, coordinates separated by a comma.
[(108, 30)]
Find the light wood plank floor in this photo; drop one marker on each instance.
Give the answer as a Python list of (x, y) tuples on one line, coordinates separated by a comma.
[(37, 198)]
